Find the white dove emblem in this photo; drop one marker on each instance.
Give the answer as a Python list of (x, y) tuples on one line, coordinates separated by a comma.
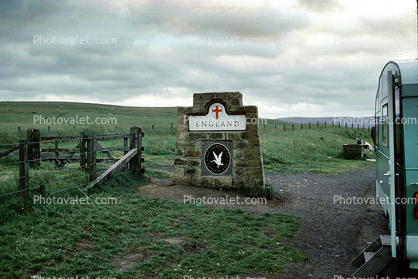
[(217, 159)]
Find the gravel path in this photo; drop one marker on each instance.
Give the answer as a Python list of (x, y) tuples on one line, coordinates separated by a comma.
[(331, 234)]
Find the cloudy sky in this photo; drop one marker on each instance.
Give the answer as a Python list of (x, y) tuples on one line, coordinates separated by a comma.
[(290, 58)]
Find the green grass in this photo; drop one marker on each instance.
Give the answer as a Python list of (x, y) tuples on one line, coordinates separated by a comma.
[(157, 173), (81, 240), (315, 150), (23, 114)]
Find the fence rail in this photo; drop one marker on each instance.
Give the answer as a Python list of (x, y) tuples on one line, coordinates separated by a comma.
[(113, 169), (31, 155), (9, 150)]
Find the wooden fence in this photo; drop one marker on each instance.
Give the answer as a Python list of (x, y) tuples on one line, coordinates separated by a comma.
[(85, 153)]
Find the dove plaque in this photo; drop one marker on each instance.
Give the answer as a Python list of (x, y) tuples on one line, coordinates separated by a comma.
[(216, 158)]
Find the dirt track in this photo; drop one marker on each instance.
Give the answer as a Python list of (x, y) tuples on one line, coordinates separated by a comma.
[(330, 233)]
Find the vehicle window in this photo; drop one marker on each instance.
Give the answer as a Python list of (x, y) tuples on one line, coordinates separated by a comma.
[(398, 119), (385, 124)]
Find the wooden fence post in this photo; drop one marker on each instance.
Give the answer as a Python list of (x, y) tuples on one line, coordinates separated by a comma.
[(309, 125), (301, 126), (34, 154), (57, 154), (125, 144), (136, 142), (293, 127), (91, 157), (83, 151), (171, 126), (23, 168), (284, 127)]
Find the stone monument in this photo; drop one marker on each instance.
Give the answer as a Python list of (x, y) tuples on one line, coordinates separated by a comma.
[(218, 143)]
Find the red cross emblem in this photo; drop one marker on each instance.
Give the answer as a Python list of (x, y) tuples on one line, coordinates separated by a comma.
[(217, 111)]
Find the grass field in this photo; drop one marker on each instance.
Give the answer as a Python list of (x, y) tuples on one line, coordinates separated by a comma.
[(315, 149), (92, 240), (84, 240), (28, 115)]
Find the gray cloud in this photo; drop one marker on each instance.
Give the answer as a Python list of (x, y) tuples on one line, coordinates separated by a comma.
[(280, 56), (168, 17), (320, 5)]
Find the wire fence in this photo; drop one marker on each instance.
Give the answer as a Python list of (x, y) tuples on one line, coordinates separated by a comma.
[(172, 127), (69, 130), (311, 126)]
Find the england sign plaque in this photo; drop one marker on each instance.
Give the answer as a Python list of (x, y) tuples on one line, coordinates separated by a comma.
[(217, 119)]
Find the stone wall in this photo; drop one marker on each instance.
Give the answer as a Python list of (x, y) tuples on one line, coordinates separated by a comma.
[(246, 157)]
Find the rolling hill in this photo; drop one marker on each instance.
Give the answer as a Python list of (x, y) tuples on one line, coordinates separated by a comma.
[(366, 121)]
